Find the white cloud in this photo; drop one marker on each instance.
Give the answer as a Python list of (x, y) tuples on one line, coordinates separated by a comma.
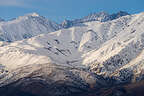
[(12, 2)]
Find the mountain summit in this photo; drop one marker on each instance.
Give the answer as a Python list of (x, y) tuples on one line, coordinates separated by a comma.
[(101, 16), (33, 14), (25, 27)]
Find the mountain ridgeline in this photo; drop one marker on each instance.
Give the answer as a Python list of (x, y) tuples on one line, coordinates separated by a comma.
[(31, 25), (98, 55), (102, 17)]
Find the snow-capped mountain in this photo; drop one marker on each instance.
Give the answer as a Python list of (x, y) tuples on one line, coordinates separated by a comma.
[(33, 24), (102, 17), (91, 57), (25, 27)]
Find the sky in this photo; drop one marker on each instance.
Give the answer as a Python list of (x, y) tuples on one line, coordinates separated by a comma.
[(58, 10)]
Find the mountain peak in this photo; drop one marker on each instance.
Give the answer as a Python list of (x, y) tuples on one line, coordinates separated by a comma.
[(25, 27), (66, 23), (118, 14), (28, 16), (101, 17), (123, 13), (33, 14), (101, 13)]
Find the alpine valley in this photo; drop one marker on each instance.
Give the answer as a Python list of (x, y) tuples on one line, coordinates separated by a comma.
[(98, 55)]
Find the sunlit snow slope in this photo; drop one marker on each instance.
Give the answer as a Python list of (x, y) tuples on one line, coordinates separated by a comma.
[(25, 27), (112, 49)]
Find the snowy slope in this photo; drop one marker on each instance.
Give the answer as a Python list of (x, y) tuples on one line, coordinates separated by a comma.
[(93, 55), (25, 27), (66, 45)]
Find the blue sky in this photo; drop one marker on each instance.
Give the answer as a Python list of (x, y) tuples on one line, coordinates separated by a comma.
[(58, 10)]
